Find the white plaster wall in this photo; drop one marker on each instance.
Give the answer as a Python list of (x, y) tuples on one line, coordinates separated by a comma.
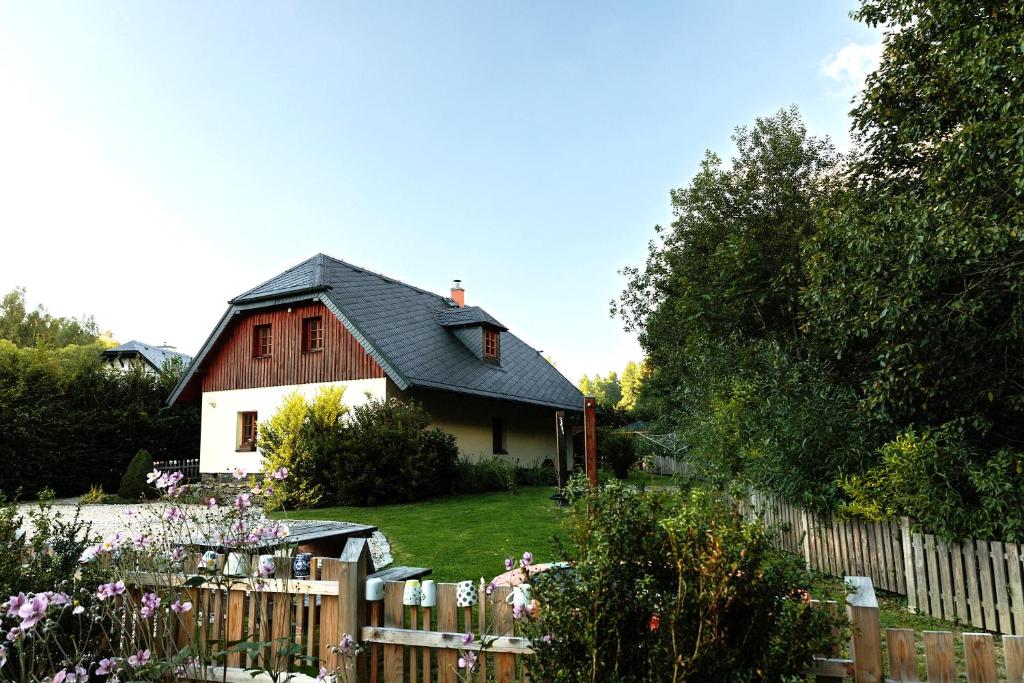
[(218, 432)]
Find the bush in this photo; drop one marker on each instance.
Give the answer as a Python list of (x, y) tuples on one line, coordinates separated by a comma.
[(133, 483), (496, 474), (385, 452), (666, 587), (617, 450)]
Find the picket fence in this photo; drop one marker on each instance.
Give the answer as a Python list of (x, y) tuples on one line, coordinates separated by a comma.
[(971, 582)]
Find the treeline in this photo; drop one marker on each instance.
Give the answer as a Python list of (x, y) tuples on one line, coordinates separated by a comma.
[(68, 423), (848, 331)]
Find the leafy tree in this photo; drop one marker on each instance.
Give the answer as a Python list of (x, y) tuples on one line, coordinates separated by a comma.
[(133, 483), (718, 311), (605, 389), (31, 328), (632, 378)]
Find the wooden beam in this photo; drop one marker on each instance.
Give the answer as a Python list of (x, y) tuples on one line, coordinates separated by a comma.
[(590, 437), (445, 640)]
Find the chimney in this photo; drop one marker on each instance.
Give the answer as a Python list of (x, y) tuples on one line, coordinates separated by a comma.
[(458, 293)]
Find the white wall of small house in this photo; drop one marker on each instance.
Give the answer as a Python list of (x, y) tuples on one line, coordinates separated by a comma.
[(221, 418), (529, 430)]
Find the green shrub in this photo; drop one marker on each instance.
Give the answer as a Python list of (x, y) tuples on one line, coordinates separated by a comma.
[(496, 474), (666, 587), (133, 483), (385, 452), (617, 450)]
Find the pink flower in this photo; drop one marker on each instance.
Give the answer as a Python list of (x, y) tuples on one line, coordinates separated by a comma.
[(467, 661), (13, 633), (490, 587), (60, 676), (322, 676), (467, 639), (527, 559), (238, 473), (152, 476), (109, 590), (508, 564), (517, 612), (242, 501), (14, 604), (280, 474), (548, 637), (106, 666), (212, 503), (150, 604), (178, 554), (345, 646), (139, 659), (179, 607), (3, 655), (174, 514), (32, 611)]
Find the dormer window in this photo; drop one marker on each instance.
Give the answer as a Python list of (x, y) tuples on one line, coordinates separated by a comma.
[(492, 347)]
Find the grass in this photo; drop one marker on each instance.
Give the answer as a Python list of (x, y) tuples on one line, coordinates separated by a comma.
[(461, 537)]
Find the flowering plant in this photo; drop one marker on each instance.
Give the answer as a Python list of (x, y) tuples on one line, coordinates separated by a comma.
[(131, 612)]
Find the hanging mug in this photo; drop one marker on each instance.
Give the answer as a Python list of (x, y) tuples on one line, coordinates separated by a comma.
[(519, 596), (301, 565), (374, 589), (465, 594), (267, 566), (237, 565), (428, 594), (411, 595), (208, 562)]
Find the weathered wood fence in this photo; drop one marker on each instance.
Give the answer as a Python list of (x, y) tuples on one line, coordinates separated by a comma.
[(408, 644), (972, 582)]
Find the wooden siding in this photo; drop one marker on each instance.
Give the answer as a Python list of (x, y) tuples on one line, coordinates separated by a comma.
[(232, 366)]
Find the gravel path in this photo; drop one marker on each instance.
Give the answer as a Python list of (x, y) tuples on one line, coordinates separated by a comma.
[(108, 520)]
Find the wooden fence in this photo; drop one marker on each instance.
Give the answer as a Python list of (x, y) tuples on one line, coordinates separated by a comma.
[(971, 582), (188, 466)]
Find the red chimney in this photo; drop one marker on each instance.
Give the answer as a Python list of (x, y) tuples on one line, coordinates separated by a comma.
[(458, 293)]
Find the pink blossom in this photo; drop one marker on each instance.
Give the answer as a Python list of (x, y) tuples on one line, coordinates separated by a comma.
[(517, 612), (13, 633), (139, 659), (32, 611), (238, 473), (3, 655), (467, 639), (467, 661), (150, 604), (179, 607), (152, 476), (508, 564), (178, 554), (106, 666), (242, 501), (345, 646), (14, 604), (212, 503), (322, 676), (527, 559), (174, 514), (280, 474), (89, 554)]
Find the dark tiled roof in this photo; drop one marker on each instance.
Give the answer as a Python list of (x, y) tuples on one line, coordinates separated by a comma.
[(412, 334), (154, 355)]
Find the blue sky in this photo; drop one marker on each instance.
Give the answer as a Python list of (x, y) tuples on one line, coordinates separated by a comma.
[(158, 158)]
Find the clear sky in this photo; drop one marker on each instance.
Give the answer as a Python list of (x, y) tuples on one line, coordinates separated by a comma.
[(157, 159)]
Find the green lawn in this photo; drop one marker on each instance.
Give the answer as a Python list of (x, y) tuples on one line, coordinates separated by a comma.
[(462, 537)]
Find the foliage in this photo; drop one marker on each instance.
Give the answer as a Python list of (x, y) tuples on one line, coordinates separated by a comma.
[(498, 474), (287, 440), (39, 328), (606, 390), (617, 450), (60, 405), (664, 587), (936, 478), (632, 379), (133, 483), (717, 309), (386, 452)]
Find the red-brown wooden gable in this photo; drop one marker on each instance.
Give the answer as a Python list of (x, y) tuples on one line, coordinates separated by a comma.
[(232, 365)]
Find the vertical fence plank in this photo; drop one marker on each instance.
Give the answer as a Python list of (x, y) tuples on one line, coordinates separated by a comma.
[(896, 537), (447, 620), (481, 627), (970, 558), (330, 570), (956, 558), (394, 615), (1016, 588), (236, 617), (934, 591), (866, 636), (902, 654), (504, 665), (352, 570), (920, 574), (909, 575), (980, 653), (1013, 654), (945, 580), (280, 634), (1002, 592), (940, 657), (988, 605)]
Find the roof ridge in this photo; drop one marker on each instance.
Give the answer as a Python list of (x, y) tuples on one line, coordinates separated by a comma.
[(269, 280), (382, 276)]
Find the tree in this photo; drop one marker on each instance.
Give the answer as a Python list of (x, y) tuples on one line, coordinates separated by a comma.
[(632, 379), (31, 328), (605, 389)]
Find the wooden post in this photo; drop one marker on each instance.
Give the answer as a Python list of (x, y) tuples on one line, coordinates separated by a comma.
[(355, 560), (590, 437), (560, 449), (866, 636), (376, 609)]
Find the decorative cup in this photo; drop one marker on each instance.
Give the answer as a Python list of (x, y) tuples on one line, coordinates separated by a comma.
[(519, 596), (301, 565), (412, 593), (428, 593), (237, 565), (465, 594), (267, 566), (374, 589), (208, 562)]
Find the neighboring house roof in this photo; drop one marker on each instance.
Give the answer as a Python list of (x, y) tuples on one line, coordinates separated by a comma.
[(408, 331), (155, 356)]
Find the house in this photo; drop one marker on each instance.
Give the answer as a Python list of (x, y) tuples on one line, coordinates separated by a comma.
[(327, 322), (147, 356)]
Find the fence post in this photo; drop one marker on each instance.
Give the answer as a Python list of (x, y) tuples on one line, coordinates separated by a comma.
[(807, 537), (352, 600), (866, 636)]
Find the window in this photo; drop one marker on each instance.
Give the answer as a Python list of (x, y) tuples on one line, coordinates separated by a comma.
[(262, 341), (491, 348), (312, 334), (498, 436), (247, 431)]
